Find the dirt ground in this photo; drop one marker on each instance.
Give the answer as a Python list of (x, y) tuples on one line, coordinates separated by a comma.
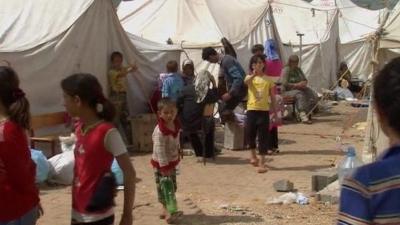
[(228, 190)]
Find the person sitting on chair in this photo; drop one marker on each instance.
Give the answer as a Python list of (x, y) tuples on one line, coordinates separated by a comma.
[(294, 84)]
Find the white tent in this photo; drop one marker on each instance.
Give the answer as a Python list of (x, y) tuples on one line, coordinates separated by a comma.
[(158, 54), (45, 41), (200, 23)]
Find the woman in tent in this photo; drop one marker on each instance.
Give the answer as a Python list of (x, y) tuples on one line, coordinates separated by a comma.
[(294, 84)]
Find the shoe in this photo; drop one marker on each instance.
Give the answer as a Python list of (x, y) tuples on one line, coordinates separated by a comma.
[(304, 118)]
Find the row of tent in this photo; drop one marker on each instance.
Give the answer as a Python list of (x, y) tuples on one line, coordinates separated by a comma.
[(46, 41)]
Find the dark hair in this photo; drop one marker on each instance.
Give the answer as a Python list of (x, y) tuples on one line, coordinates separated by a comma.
[(293, 58), (343, 65), (164, 102), (116, 54), (89, 90), (254, 59), (228, 48), (13, 98), (387, 93), (207, 52), (172, 66), (257, 47)]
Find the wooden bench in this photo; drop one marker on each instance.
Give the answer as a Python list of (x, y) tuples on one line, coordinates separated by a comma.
[(47, 121)]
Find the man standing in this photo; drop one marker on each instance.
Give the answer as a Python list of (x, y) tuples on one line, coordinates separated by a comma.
[(231, 87)]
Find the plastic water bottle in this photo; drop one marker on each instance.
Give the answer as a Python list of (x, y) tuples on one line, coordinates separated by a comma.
[(348, 164), (168, 192)]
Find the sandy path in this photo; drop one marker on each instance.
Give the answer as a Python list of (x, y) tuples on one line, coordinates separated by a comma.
[(231, 181)]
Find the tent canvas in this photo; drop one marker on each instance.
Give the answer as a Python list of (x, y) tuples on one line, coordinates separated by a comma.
[(45, 43), (206, 25)]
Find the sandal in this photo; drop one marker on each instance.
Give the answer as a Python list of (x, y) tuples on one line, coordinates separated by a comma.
[(162, 216)]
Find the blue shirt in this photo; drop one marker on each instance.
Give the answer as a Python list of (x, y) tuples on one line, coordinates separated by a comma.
[(234, 75), (372, 194), (172, 87)]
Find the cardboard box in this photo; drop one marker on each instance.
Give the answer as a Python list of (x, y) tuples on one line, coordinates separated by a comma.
[(234, 136), (142, 130)]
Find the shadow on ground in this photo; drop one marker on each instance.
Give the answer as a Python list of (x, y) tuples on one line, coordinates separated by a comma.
[(311, 152), (216, 220), (229, 160), (295, 168)]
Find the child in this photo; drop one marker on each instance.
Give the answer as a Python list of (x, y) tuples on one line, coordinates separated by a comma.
[(260, 93), (19, 197), (370, 195), (275, 122), (98, 142), (173, 84), (118, 87), (166, 148)]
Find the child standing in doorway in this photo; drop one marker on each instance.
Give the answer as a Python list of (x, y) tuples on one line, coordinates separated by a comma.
[(98, 142), (118, 89), (173, 84), (165, 156)]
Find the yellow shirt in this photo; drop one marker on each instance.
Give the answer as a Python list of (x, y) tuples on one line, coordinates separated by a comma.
[(258, 93), (117, 80)]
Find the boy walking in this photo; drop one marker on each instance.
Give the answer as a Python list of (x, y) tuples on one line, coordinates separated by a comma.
[(165, 156)]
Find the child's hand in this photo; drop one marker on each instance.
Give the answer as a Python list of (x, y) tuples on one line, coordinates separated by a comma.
[(132, 67), (226, 97)]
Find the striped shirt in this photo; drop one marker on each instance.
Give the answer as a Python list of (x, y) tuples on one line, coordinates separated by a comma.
[(372, 194)]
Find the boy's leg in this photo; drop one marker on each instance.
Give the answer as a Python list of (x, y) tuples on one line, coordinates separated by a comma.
[(161, 200), (209, 129), (262, 134), (226, 109), (196, 144), (273, 140), (251, 133), (124, 118), (117, 101)]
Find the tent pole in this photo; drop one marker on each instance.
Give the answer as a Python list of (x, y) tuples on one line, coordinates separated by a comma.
[(370, 150), (300, 35)]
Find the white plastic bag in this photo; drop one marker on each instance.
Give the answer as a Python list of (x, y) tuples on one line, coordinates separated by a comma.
[(67, 142), (62, 168)]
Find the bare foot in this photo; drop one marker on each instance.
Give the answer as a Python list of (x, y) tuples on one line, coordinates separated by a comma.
[(254, 162), (164, 214), (262, 169), (171, 219)]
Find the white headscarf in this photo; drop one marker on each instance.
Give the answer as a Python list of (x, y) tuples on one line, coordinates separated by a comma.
[(202, 84)]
